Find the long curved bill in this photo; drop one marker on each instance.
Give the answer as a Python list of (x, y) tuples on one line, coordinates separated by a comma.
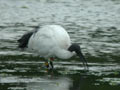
[(82, 58)]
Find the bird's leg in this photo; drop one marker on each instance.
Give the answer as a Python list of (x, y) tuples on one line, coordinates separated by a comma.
[(51, 62)]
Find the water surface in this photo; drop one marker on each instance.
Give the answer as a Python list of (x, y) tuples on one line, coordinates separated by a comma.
[(93, 24)]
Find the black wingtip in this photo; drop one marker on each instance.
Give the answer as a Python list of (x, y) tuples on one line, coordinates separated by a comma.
[(23, 41)]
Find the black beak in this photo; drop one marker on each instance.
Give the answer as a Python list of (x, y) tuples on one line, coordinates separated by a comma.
[(82, 58)]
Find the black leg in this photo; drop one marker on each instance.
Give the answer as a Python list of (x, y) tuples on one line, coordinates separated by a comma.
[(51, 63)]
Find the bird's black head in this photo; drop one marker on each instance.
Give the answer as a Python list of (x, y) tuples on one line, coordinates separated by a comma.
[(75, 47)]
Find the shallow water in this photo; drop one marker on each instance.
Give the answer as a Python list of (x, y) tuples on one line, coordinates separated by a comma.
[(94, 24)]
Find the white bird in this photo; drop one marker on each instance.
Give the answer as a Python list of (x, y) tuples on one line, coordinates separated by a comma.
[(51, 41)]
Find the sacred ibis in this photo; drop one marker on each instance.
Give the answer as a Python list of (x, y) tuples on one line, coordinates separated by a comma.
[(51, 41)]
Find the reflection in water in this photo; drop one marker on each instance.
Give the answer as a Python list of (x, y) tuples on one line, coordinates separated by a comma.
[(75, 82), (50, 84), (78, 82)]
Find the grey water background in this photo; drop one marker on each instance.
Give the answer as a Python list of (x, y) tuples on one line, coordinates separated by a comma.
[(94, 24)]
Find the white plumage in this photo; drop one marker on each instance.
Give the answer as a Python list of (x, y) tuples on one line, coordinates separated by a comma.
[(51, 40)]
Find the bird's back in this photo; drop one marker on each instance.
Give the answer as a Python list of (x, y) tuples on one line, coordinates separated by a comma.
[(48, 38)]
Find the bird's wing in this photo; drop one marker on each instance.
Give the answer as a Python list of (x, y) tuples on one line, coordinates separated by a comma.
[(23, 41), (48, 38)]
